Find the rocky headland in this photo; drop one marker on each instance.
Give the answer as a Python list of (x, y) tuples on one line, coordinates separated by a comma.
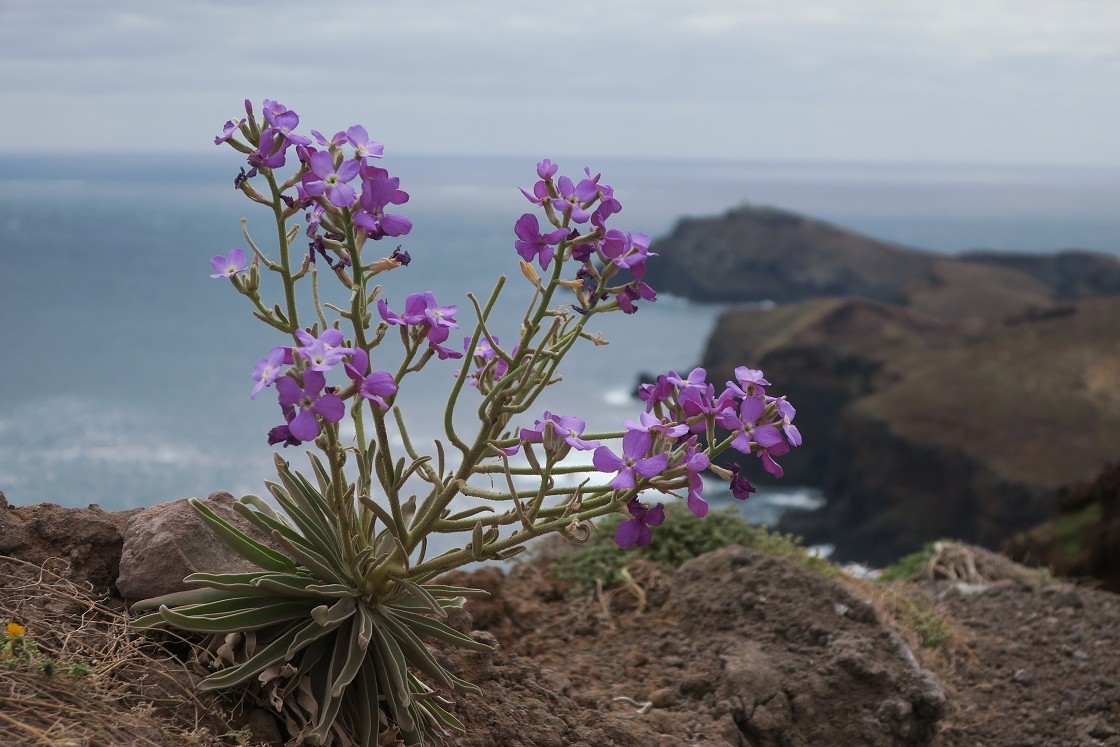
[(939, 396)]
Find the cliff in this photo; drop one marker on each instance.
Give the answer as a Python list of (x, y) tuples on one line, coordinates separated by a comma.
[(955, 402)]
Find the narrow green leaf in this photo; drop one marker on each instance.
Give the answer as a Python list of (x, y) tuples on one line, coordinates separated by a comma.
[(435, 629), (353, 659), (369, 720), (421, 658), (312, 560), (445, 718), (442, 590), (314, 528), (394, 683), (176, 598), (310, 634), (250, 619), (243, 544)]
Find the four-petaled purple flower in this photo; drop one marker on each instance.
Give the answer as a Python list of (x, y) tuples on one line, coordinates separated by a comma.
[(284, 120), (554, 430), (532, 243), (324, 352), (311, 403), (325, 178), (373, 386), (227, 267), (635, 530), (635, 447), (423, 311), (379, 190), (364, 147)]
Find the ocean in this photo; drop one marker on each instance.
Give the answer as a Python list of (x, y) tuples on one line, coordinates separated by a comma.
[(125, 368)]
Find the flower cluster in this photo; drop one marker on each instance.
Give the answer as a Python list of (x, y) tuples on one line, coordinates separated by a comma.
[(578, 212), (662, 450)]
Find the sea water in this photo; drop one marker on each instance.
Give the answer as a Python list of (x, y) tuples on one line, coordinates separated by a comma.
[(125, 369)]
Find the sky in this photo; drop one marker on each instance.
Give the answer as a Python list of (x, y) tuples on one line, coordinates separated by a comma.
[(963, 81)]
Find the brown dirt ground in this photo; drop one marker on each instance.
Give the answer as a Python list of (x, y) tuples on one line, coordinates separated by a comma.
[(733, 648)]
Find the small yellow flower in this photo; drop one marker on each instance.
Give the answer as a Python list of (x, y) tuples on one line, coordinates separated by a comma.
[(15, 630)]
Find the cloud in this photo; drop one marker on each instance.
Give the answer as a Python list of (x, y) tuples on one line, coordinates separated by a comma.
[(627, 74)]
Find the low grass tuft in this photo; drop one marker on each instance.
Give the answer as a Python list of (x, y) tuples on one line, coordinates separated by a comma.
[(680, 538)]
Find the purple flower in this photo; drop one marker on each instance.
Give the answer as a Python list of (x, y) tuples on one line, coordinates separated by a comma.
[(373, 386), (635, 446), (741, 487), (555, 428), (632, 293), (380, 190), (751, 431), (335, 142), (695, 462), (635, 531), (270, 151), (539, 194), (284, 120), (364, 147), (750, 382), (532, 243), (311, 403), (423, 311), (546, 169), (227, 131), (325, 178), (785, 409), (268, 369), (283, 433), (648, 423), (606, 208), (660, 391), (573, 197), (227, 267), (324, 352), (483, 353)]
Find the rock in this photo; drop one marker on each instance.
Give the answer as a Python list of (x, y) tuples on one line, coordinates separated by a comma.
[(86, 542), (753, 254), (169, 541), (1083, 537), (918, 428)]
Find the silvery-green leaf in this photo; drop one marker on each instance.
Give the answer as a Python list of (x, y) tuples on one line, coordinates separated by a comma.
[(420, 657), (176, 598), (254, 618), (434, 628), (243, 544)]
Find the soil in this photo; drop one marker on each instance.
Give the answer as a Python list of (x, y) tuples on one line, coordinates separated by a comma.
[(737, 648), (733, 648)]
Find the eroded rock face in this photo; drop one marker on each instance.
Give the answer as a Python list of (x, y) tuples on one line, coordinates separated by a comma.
[(1083, 539), (85, 541), (169, 541), (920, 428)]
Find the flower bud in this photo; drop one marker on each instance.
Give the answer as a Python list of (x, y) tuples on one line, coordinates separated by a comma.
[(254, 281), (530, 273)]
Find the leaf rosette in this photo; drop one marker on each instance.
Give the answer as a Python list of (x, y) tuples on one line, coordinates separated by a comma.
[(315, 626)]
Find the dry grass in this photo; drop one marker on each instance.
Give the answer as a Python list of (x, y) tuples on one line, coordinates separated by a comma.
[(80, 676)]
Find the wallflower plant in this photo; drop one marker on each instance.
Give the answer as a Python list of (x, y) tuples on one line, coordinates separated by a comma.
[(334, 629)]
